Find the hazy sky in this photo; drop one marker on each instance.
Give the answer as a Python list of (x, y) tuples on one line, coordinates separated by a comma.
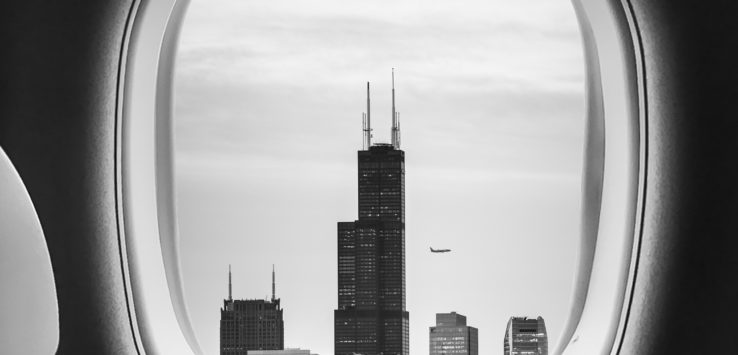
[(268, 103)]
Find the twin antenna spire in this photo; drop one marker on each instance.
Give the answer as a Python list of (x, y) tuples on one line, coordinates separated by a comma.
[(367, 120), (230, 287), (395, 117)]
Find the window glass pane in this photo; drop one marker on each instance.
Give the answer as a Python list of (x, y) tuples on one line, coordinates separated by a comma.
[(269, 98)]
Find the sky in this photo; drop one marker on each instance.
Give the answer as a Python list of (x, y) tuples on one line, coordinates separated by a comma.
[(268, 102)]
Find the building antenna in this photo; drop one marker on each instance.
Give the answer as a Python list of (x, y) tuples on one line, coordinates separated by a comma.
[(368, 118), (274, 294), (363, 131), (230, 288), (398, 130), (395, 117)]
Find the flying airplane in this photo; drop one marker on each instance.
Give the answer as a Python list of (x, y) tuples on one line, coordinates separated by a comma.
[(439, 250)]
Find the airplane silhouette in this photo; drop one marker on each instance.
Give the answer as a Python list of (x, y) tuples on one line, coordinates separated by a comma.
[(439, 250)]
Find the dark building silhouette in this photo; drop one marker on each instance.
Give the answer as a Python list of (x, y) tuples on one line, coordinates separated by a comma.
[(371, 317), (452, 336), (526, 336), (250, 324)]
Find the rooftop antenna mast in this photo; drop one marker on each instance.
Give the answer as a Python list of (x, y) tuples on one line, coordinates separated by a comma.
[(363, 130), (230, 289), (367, 121), (274, 294), (395, 117)]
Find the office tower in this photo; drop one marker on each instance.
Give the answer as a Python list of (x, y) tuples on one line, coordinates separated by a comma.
[(525, 336), (371, 317), (250, 324), (451, 335)]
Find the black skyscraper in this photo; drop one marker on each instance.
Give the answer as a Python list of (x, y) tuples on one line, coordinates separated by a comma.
[(371, 317)]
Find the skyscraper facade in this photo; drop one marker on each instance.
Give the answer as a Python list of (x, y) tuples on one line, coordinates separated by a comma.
[(253, 324), (371, 317), (451, 336), (526, 336)]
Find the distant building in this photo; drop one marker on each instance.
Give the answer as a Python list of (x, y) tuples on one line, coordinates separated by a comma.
[(451, 335), (371, 318), (250, 324), (281, 352), (526, 336)]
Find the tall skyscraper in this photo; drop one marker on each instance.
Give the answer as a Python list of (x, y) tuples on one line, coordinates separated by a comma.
[(253, 324), (451, 335), (526, 336), (371, 317)]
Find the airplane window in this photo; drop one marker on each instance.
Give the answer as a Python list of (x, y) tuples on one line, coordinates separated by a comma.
[(271, 110), (29, 322)]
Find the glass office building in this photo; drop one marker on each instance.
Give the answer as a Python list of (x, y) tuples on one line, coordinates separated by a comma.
[(451, 336), (526, 336)]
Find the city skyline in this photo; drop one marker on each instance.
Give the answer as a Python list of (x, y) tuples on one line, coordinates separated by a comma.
[(268, 102)]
